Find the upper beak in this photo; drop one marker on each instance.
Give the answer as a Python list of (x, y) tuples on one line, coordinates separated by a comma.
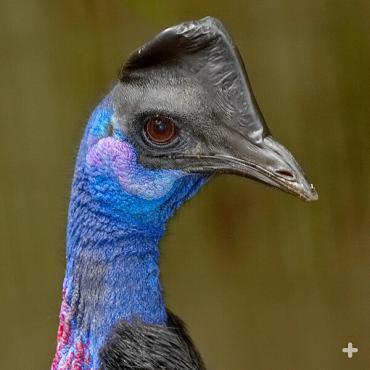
[(270, 163)]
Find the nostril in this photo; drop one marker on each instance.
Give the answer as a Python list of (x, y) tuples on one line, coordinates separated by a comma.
[(285, 173)]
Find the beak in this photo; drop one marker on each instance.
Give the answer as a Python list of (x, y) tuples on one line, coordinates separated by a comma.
[(268, 162), (272, 164)]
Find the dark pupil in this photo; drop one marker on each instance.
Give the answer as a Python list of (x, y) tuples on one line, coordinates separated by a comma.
[(160, 127)]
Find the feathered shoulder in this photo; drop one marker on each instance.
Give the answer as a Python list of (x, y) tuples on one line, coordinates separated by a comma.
[(150, 347)]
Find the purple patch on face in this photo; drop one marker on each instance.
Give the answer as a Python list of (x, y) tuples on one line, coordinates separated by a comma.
[(135, 179)]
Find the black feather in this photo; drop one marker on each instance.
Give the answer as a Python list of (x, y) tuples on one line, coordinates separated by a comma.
[(139, 346)]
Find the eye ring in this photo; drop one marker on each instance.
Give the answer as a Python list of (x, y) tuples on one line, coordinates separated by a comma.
[(160, 130)]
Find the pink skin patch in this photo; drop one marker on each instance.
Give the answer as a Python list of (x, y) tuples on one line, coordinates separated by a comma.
[(133, 177), (71, 353)]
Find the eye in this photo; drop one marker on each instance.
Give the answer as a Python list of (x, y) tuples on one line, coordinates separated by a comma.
[(160, 130)]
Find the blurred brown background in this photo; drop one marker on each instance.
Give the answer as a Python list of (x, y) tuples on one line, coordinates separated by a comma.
[(263, 280)]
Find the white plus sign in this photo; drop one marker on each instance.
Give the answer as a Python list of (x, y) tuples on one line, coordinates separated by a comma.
[(350, 350)]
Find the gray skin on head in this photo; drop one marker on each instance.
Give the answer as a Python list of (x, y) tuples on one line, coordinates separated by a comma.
[(192, 73)]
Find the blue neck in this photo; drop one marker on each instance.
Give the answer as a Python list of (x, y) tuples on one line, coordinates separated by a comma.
[(112, 263), (118, 214), (113, 276)]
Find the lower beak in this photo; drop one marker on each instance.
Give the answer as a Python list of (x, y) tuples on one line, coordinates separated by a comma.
[(269, 162)]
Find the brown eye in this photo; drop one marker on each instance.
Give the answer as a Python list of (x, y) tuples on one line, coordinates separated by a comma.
[(160, 130)]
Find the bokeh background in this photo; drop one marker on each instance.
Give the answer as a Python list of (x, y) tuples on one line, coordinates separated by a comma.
[(263, 280)]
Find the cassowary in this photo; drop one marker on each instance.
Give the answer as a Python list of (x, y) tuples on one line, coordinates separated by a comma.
[(181, 112)]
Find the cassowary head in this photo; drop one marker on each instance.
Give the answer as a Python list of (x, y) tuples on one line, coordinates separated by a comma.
[(182, 111)]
